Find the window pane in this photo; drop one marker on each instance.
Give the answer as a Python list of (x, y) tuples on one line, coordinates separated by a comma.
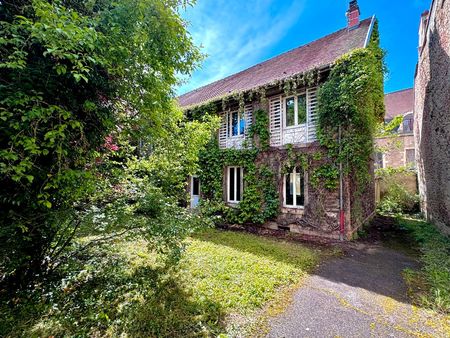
[(238, 184), (227, 117), (408, 125), (290, 112), (301, 114), (242, 124), (234, 124), (231, 184), (289, 187), (195, 186), (410, 156), (299, 190), (378, 160)]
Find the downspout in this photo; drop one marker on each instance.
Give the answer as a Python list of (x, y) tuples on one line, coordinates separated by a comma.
[(341, 193)]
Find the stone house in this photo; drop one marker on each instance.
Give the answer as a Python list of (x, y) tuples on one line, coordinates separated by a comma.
[(432, 113), (398, 150), (292, 121)]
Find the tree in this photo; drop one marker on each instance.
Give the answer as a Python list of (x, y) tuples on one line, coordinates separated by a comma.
[(72, 73)]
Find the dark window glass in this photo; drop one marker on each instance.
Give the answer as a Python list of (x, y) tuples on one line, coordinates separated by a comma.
[(195, 186), (290, 112), (242, 123), (301, 114), (238, 184), (227, 118), (289, 186), (231, 184), (234, 124), (299, 190)]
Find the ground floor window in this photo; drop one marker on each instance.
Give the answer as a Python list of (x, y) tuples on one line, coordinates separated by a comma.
[(379, 160), (294, 189), (235, 184), (410, 157)]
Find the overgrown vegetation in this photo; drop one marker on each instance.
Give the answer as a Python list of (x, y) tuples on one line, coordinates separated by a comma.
[(122, 289), (260, 199), (91, 142), (396, 196), (351, 103), (435, 258)]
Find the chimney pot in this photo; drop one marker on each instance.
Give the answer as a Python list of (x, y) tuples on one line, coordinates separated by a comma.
[(353, 14)]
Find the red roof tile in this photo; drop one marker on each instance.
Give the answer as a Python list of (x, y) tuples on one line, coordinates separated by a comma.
[(319, 53), (399, 103)]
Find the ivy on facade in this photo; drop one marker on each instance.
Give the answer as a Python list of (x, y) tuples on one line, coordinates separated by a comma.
[(350, 105)]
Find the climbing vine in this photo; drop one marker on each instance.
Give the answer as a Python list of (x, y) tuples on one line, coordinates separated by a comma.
[(350, 105), (260, 200)]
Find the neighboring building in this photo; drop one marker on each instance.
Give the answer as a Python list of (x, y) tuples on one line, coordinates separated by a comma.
[(398, 150), (292, 126), (432, 113)]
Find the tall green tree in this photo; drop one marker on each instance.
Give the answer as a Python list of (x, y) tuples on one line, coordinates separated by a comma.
[(72, 75)]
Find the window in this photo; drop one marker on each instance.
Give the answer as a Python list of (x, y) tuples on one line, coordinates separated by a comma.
[(379, 160), (195, 186), (236, 124), (295, 110), (294, 189), (235, 184), (408, 123), (410, 156)]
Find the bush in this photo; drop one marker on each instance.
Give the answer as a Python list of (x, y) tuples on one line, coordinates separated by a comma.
[(398, 200)]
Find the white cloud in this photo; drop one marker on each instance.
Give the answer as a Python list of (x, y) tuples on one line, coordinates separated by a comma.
[(236, 34)]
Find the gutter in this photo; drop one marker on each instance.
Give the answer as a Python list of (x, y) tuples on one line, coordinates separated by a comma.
[(369, 32)]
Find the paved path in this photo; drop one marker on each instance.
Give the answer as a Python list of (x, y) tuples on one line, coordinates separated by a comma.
[(359, 295)]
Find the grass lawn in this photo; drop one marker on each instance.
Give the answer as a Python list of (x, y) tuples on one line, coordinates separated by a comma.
[(222, 285)]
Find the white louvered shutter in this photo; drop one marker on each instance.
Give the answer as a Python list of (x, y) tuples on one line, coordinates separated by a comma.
[(312, 114), (275, 121), (248, 113), (223, 130)]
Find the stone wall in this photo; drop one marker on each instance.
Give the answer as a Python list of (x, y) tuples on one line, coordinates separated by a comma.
[(432, 111), (320, 216)]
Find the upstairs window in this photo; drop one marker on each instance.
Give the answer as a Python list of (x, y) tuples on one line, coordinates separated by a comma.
[(295, 110), (294, 189), (235, 184), (236, 124), (408, 123)]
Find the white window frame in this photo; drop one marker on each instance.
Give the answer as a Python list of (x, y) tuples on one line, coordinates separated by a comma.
[(241, 184), (294, 206), (296, 124), (240, 114), (192, 189)]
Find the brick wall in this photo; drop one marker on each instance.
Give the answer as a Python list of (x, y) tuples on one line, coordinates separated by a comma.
[(395, 148), (432, 111)]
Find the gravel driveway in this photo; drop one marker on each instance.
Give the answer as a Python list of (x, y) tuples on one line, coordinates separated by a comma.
[(359, 295)]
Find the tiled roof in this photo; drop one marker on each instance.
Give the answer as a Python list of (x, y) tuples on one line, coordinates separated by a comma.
[(319, 53), (399, 103)]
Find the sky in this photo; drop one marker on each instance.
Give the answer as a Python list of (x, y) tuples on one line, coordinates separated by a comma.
[(237, 34)]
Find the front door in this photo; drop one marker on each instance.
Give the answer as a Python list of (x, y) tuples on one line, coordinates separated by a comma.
[(195, 191)]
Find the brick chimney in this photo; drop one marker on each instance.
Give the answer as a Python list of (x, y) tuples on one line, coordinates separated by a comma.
[(353, 14)]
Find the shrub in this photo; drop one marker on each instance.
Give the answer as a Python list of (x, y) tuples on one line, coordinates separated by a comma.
[(398, 200)]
